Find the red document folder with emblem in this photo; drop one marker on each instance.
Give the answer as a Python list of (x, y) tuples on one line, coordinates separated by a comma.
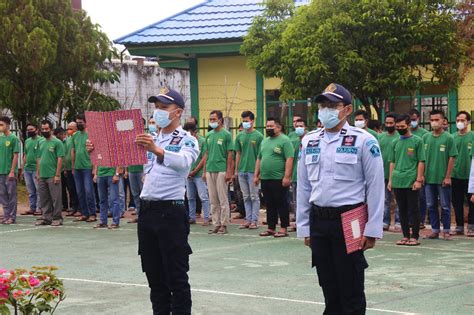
[(353, 226), (113, 135)]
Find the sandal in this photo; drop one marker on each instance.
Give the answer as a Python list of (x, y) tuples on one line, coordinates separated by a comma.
[(280, 234), (267, 233), (81, 219), (447, 236), (403, 241), (100, 226), (432, 236), (412, 242), (244, 226), (470, 233), (113, 226), (91, 219), (253, 226)]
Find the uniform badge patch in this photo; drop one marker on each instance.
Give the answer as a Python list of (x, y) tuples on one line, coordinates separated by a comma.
[(371, 143), (375, 151), (175, 140), (442, 148), (189, 143), (313, 143), (348, 141), (410, 151)]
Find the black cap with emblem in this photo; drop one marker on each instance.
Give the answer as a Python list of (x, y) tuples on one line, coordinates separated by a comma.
[(335, 93), (168, 96)]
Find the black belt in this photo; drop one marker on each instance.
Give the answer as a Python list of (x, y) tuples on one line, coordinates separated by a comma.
[(161, 203), (332, 213)]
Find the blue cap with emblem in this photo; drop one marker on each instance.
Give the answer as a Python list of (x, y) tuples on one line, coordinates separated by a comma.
[(168, 96), (335, 93)]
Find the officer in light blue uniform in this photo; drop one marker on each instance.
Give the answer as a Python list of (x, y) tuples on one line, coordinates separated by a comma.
[(163, 225), (340, 168)]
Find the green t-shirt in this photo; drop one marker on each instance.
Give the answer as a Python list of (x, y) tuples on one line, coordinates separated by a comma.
[(385, 142), (201, 142), (217, 145), (9, 145), (68, 144), (274, 151), (248, 144), (295, 142), (31, 152), (48, 154), (292, 135), (135, 169), (438, 150), (462, 165), (406, 153), (373, 133), (103, 171), (420, 132), (83, 160)]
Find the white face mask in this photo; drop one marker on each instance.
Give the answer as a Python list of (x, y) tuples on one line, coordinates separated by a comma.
[(360, 124), (161, 117), (329, 117), (460, 125)]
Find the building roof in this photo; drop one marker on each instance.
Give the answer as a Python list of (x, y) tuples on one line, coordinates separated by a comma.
[(209, 21)]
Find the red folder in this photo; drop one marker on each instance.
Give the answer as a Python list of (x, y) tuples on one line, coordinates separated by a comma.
[(353, 226), (113, 135)]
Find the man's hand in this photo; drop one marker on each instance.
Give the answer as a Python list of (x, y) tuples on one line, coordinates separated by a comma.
[(89, 146), (192, 174), (256, 180), (115, 179), (389, 185), (146, 141), (56, 179), (94, 179), (367, 243), (204, 176), (472, 198), (307, 241), (37, 175), (416, 186), (447, 182), (228, 177), (11, 176), (286, 182)]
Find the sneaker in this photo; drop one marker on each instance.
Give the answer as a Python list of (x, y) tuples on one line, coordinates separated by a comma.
[(57, 223), (222, 230)]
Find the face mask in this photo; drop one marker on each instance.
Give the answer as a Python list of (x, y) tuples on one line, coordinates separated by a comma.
[(360, 124), (162, 118), (246, 125), (270, 132), (435, 125), (402, 132), (299, 131), (390, 129), (46, 134), (214, 125), (152, 128), (329, 117), (460, 125), (80, 127), (414, 124), (31, 134)]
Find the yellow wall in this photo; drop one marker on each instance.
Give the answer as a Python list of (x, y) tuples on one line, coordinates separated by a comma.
[(466, 93), (219, 78)]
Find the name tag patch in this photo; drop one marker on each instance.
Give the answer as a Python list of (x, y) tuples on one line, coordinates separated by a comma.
[(346, 150), (313, 150), (173, 148)]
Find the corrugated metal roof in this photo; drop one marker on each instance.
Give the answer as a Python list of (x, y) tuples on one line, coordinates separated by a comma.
[(208, 21)]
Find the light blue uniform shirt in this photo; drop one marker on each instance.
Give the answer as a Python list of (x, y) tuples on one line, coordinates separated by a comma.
[(165, 179), (344, 170), (150, 156)]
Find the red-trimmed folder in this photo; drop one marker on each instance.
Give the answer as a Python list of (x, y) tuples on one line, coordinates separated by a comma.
[(113, 135), (353, 226)]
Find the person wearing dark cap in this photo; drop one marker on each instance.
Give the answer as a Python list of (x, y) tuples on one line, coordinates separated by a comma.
[(340, 169), (163, 225)]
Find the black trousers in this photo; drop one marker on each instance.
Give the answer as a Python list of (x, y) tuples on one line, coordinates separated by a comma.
[(341, 275), (276, 200), (70, 200), (163, 230), (408, 203), (459, 194)]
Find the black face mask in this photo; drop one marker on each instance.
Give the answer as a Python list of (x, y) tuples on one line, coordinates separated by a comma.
[(390, 129), (80, 127), (31, 134), (403, 131), (270, 132), (46, 134)]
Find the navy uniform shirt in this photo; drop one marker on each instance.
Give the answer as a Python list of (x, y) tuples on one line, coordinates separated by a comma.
[(165, 178), (344, 170)]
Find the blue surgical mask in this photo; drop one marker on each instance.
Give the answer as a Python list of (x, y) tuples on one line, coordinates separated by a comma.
[(162, 118), (152, 128), (414, 124), (329, 117), (214, 125), (299, 131), (246, 125)]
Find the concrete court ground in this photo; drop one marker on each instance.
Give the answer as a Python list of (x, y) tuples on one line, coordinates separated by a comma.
[(239, 273)]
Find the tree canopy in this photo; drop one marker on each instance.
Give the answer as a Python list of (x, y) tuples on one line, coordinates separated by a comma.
[(49, 55), (373, 47)]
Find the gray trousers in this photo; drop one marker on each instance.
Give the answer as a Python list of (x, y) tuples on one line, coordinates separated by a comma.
[(51, 199), (8, 197)]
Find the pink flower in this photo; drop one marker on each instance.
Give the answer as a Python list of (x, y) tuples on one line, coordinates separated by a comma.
[(2, 271), (34, 282), (56, 292), (17, 294)]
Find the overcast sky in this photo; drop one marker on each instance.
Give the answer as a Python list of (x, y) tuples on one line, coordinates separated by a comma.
[(121, 17)]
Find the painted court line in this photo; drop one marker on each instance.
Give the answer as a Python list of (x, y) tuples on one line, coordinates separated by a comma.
[(262, 297), (19, 230)]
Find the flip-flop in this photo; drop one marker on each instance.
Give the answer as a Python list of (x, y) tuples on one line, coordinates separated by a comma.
[(267, 233), (412, 242), (279, 234), (403, 241), (470, 234)]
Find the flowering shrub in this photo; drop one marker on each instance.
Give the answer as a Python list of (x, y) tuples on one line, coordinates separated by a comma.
[(30, 292)]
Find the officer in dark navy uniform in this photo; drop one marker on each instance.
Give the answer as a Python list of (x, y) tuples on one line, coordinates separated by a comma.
[(340, 168)]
